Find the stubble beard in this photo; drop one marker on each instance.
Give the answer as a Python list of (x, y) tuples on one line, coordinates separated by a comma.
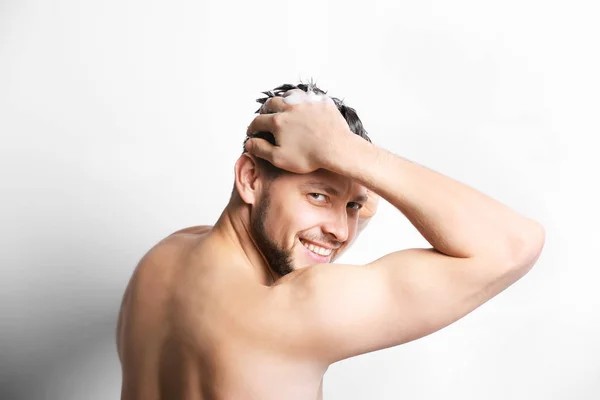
[(278, 259)]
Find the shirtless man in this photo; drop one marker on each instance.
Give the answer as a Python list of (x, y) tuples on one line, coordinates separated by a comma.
[(253, 308)]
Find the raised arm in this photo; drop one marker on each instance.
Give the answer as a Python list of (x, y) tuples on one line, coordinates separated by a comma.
[(454, 218), (479, 245)]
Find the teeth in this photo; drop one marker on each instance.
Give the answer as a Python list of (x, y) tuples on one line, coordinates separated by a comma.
[(316, 249)]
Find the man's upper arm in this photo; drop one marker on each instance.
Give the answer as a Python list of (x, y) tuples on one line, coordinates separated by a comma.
[(349, 310)]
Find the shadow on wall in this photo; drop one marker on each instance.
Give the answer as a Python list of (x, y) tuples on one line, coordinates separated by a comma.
[(77, 361), (72, 246)]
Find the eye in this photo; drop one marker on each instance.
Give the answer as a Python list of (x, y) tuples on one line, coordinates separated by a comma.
[(316, 196), (354, 205)]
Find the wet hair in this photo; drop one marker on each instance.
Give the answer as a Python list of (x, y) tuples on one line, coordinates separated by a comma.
[(348, 113)]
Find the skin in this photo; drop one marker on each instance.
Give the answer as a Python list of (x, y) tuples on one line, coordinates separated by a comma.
[(243, 310), (225, 259), (321, 207)]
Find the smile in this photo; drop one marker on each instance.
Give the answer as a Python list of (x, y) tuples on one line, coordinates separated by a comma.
[(321, 251)]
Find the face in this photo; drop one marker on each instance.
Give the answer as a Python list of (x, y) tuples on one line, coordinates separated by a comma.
[(305, 219)]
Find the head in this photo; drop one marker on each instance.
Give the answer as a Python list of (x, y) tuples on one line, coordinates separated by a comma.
[(293, 216)]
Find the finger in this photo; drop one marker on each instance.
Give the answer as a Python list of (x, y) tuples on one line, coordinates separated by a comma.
[(260, 148), (261, 123), (274, 105)]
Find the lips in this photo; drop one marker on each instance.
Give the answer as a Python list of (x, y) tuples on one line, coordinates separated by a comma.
[(318, 253)]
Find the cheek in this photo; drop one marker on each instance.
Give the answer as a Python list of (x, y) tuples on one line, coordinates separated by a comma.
[(352, 230), (307, 217), (301, 219), (285, 223)]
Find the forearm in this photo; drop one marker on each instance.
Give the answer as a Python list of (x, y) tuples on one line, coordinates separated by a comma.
[(454, 218)]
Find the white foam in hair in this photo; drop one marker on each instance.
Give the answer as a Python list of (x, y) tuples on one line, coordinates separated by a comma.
[(297, 96)]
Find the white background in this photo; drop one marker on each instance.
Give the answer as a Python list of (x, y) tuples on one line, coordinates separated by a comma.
[(121, 121)]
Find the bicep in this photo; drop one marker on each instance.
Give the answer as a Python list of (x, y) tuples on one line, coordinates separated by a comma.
[(351, 309)]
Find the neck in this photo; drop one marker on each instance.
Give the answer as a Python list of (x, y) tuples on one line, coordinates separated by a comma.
[(233, 226)]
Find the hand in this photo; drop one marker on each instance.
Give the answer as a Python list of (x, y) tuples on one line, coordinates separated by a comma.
[(307, 135)]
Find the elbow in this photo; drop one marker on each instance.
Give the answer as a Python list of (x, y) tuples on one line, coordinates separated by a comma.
[(527, 246)]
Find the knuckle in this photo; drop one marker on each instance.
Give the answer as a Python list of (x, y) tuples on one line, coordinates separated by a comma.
[(270, 105), (278, 120), (266, 108)]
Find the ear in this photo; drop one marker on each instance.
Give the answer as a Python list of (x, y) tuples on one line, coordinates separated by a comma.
[(248, 180)]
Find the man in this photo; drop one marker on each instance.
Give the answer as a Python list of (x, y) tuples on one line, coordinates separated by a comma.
[(253, 308)]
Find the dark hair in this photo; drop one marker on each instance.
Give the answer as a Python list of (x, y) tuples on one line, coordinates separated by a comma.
[(348, 113)]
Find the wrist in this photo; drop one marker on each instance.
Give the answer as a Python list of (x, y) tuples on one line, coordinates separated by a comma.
[(352, 157), (345, 150)]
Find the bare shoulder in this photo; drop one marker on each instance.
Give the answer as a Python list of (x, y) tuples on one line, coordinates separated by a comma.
[(148, 284), (193, 230)]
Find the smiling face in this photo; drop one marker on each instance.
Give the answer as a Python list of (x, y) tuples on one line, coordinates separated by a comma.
[(305, 219)]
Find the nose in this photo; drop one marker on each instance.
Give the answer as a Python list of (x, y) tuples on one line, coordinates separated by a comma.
[(337, 226)]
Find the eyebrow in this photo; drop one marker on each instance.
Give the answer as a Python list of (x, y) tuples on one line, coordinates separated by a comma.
[(332, 191)]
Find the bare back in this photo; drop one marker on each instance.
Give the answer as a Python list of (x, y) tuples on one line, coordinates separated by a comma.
[(194, 325), (190, 327)]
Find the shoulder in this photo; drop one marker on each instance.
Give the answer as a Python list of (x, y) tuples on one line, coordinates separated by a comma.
[(168, 249), (193, 230), (155, 268), (149, 286)]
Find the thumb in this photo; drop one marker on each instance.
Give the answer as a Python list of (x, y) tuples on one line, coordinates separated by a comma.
[(260, 148)]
